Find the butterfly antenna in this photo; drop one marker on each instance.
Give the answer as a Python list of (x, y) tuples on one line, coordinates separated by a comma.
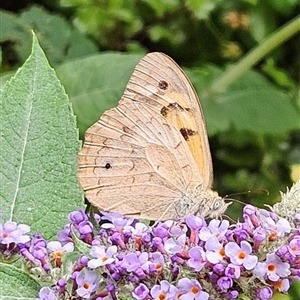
[(258, 191), (235, 200)]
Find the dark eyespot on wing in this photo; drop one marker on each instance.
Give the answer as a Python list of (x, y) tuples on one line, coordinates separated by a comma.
[(187, 133), (108, 166), (163, 85), (164, 111), (171, 107)]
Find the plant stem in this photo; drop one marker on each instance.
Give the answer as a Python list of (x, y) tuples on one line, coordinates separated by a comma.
[(276, 39)]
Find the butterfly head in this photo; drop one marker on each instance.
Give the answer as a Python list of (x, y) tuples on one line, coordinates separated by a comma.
[(209, 204)]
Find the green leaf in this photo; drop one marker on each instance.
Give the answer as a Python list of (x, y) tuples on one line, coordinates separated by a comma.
[(202, 8), (39, 147), (252, 103), (5, 77), (294, 291), (16, 30), (69, 43), (96, 83), (244, 297), (83, 247), (278, 75), (16, 284)]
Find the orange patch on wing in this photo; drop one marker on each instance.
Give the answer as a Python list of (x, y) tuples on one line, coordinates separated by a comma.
[(183, 118)]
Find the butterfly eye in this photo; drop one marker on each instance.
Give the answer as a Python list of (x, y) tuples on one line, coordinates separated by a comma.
[(163, 85), (217, 203)]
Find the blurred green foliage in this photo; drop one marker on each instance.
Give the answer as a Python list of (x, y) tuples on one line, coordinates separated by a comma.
[(253, 120)]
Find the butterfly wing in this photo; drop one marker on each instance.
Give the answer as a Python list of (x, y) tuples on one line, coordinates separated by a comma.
[(160, 83), (135, 162)]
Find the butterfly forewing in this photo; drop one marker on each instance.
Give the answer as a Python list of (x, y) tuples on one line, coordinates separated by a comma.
[(160, 83)]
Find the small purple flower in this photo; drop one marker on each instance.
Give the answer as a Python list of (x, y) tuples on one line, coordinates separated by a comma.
[(197, 258), (283, 252), (176, 228), (273, 268), (215, 251), (175, 245), (224, 283), (57, 246), (61, 282), (102, 256), (57, 250), (78, 216), (88, 283), (297, 218), (250, 217), (233, 294), (11, 232), (118, 221), (157, 243), (283, 226), (195, 223), (156, 264), (61, 286), (138, 230), (39, 251), (161, 231), (24, 251), (213, 277), (132, 261), (117, 238), (265, 293), (140, 292), (175, 272), (164, 290), (240, 255), (64, 235), (259, 235), (276, 229), (214, 229), (38, 240), (219, 269), (85, 228), (46, 293), (191, 289), (233, 271), (239, 234), (112, 290), (249, 210), (294, 247), (283, 285)]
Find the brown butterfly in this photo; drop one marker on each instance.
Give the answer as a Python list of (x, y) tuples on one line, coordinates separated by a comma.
[(149, 157)]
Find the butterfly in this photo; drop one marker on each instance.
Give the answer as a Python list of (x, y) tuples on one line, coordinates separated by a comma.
[(149, 157)]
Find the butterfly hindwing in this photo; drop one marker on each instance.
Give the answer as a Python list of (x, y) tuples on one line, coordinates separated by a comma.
[(131, 159)]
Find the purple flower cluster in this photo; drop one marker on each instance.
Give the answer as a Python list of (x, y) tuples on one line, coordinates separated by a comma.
[(121, 256)]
